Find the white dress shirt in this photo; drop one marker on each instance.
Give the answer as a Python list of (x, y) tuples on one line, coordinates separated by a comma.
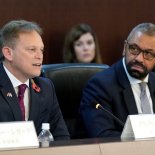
[(15, 82)]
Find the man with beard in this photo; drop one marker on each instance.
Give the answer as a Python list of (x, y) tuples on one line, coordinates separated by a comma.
[(118, 90)]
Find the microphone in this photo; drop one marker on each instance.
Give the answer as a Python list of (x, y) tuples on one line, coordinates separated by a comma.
[(99, 106)]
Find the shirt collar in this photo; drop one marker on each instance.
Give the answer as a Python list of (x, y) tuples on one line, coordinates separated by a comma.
[(15, 82), (132, 79)]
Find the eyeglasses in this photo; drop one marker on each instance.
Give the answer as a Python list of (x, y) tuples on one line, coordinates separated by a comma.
[(136, 50)]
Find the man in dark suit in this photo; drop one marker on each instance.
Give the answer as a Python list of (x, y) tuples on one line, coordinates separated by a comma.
[(117, 89), (22, 50)]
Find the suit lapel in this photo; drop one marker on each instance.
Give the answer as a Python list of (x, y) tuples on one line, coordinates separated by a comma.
[(9, 94), (127, 90), (151, 85), (35, 100), (130, 101)]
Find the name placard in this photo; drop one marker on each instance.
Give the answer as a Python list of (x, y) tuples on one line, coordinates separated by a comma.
[(139, 127), (16, 135)]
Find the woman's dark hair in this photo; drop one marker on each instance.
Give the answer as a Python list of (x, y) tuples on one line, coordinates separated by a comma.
[(74, 34)]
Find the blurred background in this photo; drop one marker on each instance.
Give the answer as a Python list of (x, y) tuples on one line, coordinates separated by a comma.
[(112, 20)]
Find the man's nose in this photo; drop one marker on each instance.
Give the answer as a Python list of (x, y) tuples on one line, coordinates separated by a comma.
[(140, 57), (39, 54)]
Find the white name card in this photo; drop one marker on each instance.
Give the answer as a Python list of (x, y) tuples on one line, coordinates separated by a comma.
[(16, 135), (139, 127)]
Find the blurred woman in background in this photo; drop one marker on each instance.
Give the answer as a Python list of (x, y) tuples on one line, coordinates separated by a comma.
[(81, 46)]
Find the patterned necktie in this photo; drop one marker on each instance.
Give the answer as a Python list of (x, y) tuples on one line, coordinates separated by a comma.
[(21, 91), (145, 105)]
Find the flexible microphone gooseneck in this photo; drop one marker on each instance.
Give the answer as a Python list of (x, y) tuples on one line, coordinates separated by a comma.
[(99, 106)]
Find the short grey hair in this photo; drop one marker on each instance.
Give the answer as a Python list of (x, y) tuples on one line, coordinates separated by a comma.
[(144, 28)]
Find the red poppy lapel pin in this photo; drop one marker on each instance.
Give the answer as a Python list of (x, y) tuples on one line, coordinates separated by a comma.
[(35, 87)]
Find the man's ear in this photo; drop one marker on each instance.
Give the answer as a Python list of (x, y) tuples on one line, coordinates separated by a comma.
[(124, 49), (7, 53)]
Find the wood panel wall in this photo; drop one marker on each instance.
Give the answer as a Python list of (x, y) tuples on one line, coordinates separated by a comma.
[(112, 20)]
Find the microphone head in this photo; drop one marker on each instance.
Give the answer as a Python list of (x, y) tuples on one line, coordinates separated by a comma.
[(95, 104)]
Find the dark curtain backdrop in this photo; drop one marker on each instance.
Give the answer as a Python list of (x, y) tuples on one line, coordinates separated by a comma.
[(112, 20)]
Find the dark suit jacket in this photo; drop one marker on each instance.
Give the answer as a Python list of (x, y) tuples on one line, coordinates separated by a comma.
[(110, 88), (44, 107)]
